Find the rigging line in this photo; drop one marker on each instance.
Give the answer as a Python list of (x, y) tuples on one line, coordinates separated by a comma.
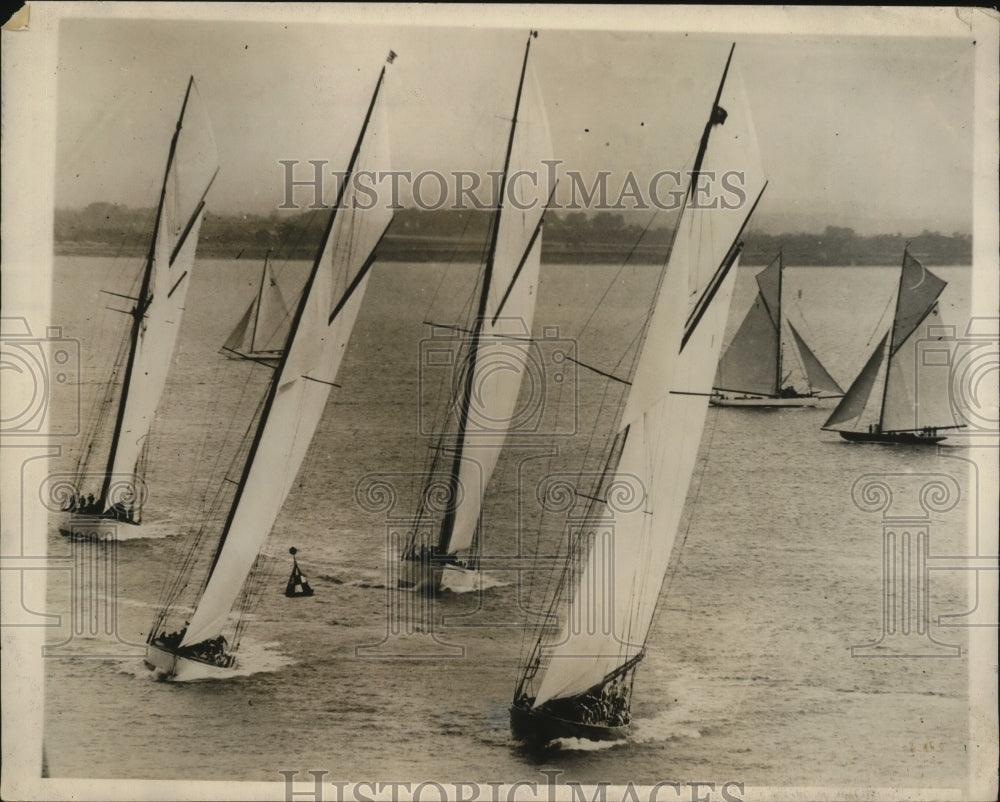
[(233, 420), (578, 548), (625, 263), (144, 296), (450, 516), (542, 619), (524, 257), (101, 403), (273, 388), (679, 548)]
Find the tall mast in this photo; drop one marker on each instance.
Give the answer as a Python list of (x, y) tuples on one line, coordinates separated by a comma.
[(892, 332), (142, 303), (260, 298), (448, 523), (716, 115), (283, 359), (781, 268)]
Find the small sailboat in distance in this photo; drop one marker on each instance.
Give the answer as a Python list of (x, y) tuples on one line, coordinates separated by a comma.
[(257, 335), (144, 359), (293, 407), (298, 585), (768, 361), (881, 405), (441, 554), (579, 682)]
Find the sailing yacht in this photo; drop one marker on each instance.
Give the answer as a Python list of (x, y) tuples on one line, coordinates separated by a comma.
[(881, 405), (145, 355), (257, 335), (768, 363), (293, 406), (579, 683), (441, 554)]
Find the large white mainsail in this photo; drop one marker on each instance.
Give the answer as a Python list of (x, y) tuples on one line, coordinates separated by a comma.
[(768, 362), (579, 683), (192, 164), (499, 342), (317, 340), (882, 404)]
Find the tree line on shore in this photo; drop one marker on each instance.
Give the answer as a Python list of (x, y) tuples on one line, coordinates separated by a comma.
[(418, 235)]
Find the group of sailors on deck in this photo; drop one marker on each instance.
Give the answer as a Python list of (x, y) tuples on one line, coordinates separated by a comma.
[(609, 711), (92, 506), (212, 651), (606, 708)]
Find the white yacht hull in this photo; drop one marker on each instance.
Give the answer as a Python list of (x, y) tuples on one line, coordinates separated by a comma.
[(166, 665)]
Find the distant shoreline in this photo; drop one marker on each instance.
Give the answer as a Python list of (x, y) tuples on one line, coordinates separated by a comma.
[(103, 229), (421, 252)]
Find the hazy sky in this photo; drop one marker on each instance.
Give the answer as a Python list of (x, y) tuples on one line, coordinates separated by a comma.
[(873, 132)]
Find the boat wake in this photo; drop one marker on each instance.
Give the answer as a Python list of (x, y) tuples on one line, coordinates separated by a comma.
[(474, 581), (156, 530), (252, 658), (666, 726), (584, 745)]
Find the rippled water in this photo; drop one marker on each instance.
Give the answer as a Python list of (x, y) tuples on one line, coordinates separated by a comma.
[(749, 674)]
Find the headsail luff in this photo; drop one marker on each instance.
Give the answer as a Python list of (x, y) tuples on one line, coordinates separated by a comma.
[(192, 164), (768, 356), (256, 334), (614, 585), (499, 344), (818, 377), (301, 384), (882, 399)]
